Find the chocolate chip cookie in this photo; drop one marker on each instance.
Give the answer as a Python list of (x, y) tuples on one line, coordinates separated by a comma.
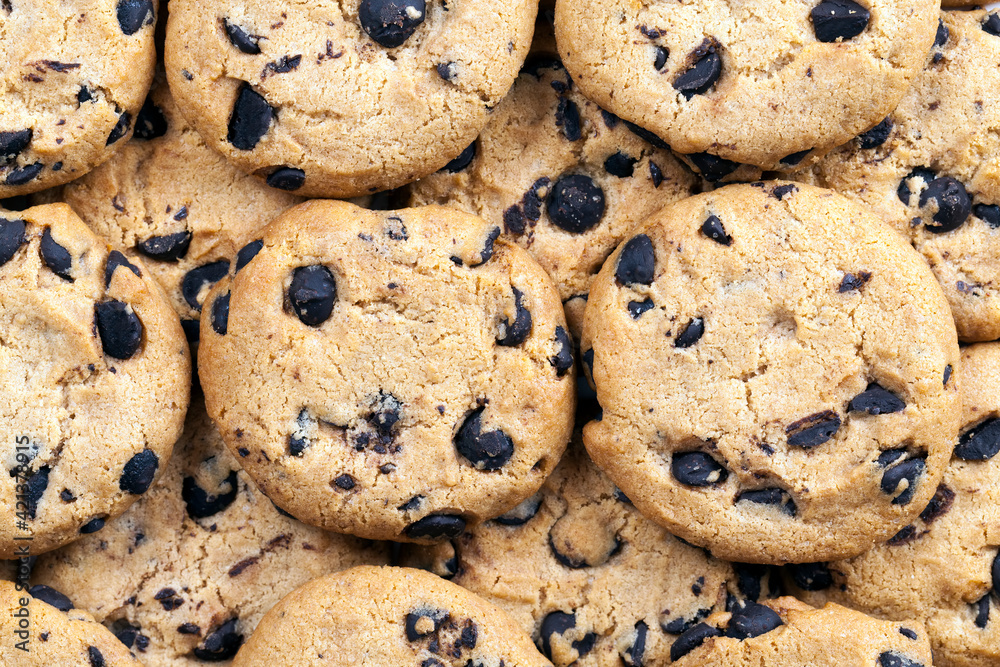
[(776, 369), (563, 178), (931, 168), (771, 86), (233, 555), (343, 98), (789, 633), (943, 568), (73, 75), (396, 374), (94, 378), (387, 616)]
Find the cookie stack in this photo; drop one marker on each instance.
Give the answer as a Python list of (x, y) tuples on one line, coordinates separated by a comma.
[(453, 332)]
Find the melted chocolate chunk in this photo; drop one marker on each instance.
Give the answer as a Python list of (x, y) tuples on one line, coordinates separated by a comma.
[(120, 129), (486, 451), (95, 656), (487, 252), (287, 178), (248, 252), (811, 576), (241, 39), (557, 623), (50, 596), (115, 260), (875, 400), (562, 361), (909, 634), (250, 120), (981, 442), (637, 308), (903, 191), (413, 622), (201, 278), (953, 204), (988, 213), (697, 469), (713, 229), (691, 334), (56, 257), (781, 191), (437, 527), (223, 643), (391, 22), (704, 70), (119, 328), (660, 56), (692, 638), (982, 611), (516, 333), (836, 20), (894, 659), (134, 14), (712, 167), (25, 174), (939, 504), (167, 248), (36, 485), (93, 526), (576, 203), (150, 123), (13, 144), (463, 160), (814, 430), (284, 64), (313, 292), (633, 655), (909, 471), (752, 620), (11, 238), (636, 262), (620, 164), (773, 496), (139, 472), (568, 118), (200, 503), (992, 24), (876, 136)]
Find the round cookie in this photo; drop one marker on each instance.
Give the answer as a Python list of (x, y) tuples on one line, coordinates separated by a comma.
[(233, 555), (730, 84), (563, 178), (387, 616), (572, 565), (74, 76), (178, 203), (931, 169), (942, 569), (776, 372), (41, 629), (95, 376), (789, 633), (340, 99), (396, 375)]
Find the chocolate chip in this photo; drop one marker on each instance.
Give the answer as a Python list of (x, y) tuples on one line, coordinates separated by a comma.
[(11, 238), (391, 22), (95, 656), (56, 257), (150, 123), (521, 514), (704, 71), (562, 361), (139, 472), (248, 252), (568, 118), (877, 136), (92, 526), (909, 471), (692, 638), (636, 262), (221, 644), (635, 653), (133, 14), (250, 120), (660, 56), (982, 611), (953, 204), (286, 178), (813, 430), (691, 334), (13, 144), (200, 503), (486, 451), (947, 375), (992, 24), (637, 308), (811, 576), (557, 623), (313, 292), (852, 282), (167, 248), (116, 259), (36, 485), (981, 442), (25, 174), (903, 191), (201, 278), (795, 158), (941, 36), (876, 400), (120, 129), (680, 625), (713, 229), (415, 629), (939, 504), (655, 174), (620, 164), (773, 496), (437, 527), (85, 94), (241, 39), (646, 135), (188, 629), (50, 596), (125, 632), (345, 482), (447, 71), (894, 659), (463, 160), (988, 213), (576, 203), (752, 620), (909, 634), (119, 327), (712, 167), (697, 469), (835, 20), (890, 456), (780, 191), (750, 579), (515, 334)]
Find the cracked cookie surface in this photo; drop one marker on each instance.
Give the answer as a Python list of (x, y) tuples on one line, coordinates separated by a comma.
[(95, 376), (772, 362), (73, 77), (395, 374), (340, 98), (387, 616), (185, 575), (756, 83)]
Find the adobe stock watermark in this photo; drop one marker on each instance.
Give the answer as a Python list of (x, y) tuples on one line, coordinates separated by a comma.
[(23, 512)]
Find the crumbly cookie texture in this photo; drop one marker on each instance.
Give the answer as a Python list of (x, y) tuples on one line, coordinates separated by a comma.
[(788, 633), (42, 629), (572, 565), (73, 76), (728, 84), (943, 568), (776, 369), (931, 169), (95, 375), (306, 96), (396, 374), (565, 179), (169, 197), (387, 616), (186, 574)]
